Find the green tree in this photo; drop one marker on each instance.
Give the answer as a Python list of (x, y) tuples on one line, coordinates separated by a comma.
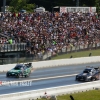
[(29, 7), (48, 4), (97, 4), (17, 5)]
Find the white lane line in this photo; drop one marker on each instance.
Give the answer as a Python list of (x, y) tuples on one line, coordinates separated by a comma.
[(48, 78), (53, 77), (30, 80)]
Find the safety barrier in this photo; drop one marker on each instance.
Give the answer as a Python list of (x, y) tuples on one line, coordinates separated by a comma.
[(12, 47), (40, 56), (52, 91), (51, 63), (71, 48)]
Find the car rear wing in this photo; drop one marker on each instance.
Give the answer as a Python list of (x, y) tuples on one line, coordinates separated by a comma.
[(28, 65), (96, 68), (87, 66)]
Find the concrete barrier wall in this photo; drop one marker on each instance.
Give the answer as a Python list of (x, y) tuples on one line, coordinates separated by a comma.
[(51, 63), (52, 91)]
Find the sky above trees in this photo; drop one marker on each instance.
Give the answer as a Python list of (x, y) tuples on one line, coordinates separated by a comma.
[(48, 4)]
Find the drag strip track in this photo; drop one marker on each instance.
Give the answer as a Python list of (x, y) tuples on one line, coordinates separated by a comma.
[(46, 78)]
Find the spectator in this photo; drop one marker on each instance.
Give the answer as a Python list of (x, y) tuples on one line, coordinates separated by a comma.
[(10, 41), (48, 31), (71, 97)]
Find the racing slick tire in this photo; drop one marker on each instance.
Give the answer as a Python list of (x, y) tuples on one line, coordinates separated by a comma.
[(18, 76), (26, 76), (93, 79), (76, 79)]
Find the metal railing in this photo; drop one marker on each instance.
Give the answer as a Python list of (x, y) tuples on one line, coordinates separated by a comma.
[(69, 49), (12, 47), (45, 56)]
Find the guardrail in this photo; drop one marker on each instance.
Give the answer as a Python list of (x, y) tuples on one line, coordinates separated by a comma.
[(41, 55), (51, 63), (52, 91), (71, 48), (12, 47)]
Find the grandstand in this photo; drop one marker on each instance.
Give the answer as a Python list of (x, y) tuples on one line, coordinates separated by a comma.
[(35, 34)]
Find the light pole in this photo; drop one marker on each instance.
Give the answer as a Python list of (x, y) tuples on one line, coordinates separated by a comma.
[(77, 3), (4, 4)]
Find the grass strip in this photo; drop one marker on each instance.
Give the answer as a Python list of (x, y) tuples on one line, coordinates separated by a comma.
[(78, 54), (89, 95)]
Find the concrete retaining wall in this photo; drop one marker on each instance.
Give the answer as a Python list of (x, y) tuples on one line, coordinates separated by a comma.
[(51, 63), (51, 91)]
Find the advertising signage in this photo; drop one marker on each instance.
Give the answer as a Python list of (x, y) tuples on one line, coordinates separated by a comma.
[(78, 9)]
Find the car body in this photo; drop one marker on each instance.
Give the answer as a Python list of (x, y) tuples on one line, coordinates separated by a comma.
[(89, 74), (20, 70)]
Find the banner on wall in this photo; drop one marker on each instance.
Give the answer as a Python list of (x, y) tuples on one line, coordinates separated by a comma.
[(77, 9)]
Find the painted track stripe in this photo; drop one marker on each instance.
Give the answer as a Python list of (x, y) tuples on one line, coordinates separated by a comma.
[(12, 82)]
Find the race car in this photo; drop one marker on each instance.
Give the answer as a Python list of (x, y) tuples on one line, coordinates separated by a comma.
[(20, 70), (89, 74)]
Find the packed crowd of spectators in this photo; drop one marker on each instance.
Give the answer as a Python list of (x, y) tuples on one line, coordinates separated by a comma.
[(49, 31)]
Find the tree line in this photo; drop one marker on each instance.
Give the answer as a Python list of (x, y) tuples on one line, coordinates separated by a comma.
[(29, 5)]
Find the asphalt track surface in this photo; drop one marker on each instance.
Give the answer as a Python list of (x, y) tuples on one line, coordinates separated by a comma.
[(44, 78)]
